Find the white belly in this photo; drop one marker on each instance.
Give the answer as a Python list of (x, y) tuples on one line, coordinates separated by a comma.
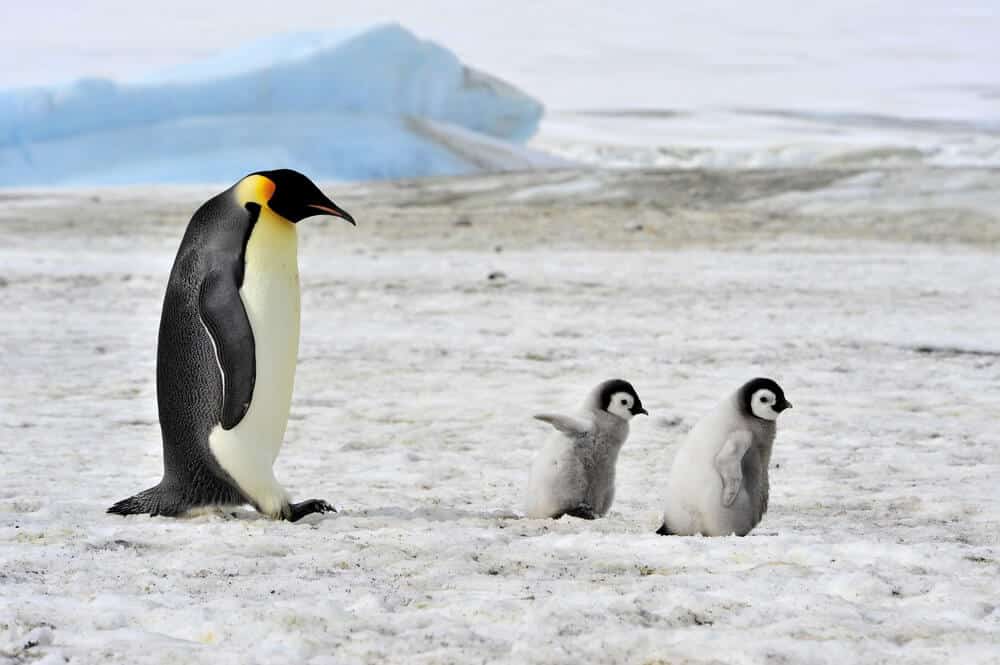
[(556, 481), (270, 294)]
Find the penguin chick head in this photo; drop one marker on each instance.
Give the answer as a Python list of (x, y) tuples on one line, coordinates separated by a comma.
[(618, 397), (289, 194), (763, 398)]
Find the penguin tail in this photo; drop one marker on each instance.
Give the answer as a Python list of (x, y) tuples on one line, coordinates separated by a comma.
[(664, 531), (147, 501)]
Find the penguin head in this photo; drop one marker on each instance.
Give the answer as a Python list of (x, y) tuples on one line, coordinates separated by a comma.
[(289, 194), (763, 398), (619, 398)]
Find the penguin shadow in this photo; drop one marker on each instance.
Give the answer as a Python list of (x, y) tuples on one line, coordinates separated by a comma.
[(428, 514), (389, 512), (241, 514)]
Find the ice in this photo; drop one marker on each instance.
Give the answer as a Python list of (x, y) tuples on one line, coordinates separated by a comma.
[(417, 380), (344, 105)]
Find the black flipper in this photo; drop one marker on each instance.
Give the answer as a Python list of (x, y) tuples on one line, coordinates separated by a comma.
[(225, 318), (299, 510), (664, 531)]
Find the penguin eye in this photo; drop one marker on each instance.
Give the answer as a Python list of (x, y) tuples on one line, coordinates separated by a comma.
[(765, 399), (624, 401)]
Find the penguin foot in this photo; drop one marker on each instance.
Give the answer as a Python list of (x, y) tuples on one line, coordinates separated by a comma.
[(152, 502), (297, 511), (130, 506), (582, 511), (664, 530)]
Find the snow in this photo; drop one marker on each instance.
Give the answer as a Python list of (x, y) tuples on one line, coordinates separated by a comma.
[(760, 138), (339, 105), (843, 241), (412, 411)]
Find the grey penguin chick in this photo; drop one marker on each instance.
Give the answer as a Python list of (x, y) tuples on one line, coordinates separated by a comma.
[(718, 484), (574, 473), (227, 350)]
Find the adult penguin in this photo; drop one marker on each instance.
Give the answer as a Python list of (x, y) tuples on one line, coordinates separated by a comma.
[(227, 350)]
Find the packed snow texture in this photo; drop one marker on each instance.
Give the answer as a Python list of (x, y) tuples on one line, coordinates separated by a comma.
[(344, 105), (431, 333)]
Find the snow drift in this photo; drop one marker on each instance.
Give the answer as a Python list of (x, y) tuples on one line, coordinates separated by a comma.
[(375, 103)]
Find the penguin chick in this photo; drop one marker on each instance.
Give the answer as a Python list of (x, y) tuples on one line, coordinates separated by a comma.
[(718, 484), (574, 474), (227, 350)]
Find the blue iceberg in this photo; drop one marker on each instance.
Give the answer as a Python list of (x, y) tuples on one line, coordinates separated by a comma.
[(350, 105)]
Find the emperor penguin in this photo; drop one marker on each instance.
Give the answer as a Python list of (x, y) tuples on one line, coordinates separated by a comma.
[(718, 484), (574, 473), (227, 350)]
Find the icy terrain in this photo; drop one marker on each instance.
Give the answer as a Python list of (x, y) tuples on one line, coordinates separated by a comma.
[(872, 297), (347, 105), (678, 85)]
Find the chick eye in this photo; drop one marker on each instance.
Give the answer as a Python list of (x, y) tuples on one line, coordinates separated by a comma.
[(624, 401), (764, 399)]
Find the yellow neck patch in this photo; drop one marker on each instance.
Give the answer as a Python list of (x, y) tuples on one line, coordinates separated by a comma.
[(272, 243), (255, 189)]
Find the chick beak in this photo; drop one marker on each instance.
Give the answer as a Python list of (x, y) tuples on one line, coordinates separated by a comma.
[(640, 410)]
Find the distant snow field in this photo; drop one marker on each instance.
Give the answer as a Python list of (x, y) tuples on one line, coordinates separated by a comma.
[(417, 379)]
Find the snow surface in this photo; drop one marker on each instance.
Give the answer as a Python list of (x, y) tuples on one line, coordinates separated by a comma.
[(765, 138), (336, 105), (417, 379)]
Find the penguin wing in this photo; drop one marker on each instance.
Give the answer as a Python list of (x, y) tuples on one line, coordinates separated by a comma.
[(729, 464), (568, 425), (226, 320)]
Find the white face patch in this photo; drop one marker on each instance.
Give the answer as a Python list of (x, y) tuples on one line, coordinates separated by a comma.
[(621, 405), (762, 404)]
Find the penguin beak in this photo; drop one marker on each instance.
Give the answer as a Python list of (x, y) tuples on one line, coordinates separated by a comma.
[(641, 410), (782, 407), (331, 208)]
